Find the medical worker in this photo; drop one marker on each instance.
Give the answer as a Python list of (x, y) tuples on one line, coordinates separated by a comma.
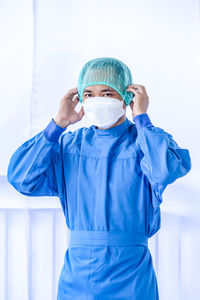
[(109, 178)]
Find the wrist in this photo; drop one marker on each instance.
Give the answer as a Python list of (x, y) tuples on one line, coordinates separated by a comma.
[(138, 113), (53, 131), (60, 122)]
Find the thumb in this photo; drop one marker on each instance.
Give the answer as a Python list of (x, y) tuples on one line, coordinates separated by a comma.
[(81, 112)]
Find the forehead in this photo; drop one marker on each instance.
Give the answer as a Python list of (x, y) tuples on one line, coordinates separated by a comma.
[(98, 87)]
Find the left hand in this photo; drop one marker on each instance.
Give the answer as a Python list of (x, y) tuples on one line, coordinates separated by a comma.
[(141, 102)]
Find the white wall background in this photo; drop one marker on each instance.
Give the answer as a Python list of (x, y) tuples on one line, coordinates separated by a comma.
[(44, 45)]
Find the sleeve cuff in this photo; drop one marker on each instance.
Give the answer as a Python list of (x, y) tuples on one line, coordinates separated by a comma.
[(142, 120), (53, 131)]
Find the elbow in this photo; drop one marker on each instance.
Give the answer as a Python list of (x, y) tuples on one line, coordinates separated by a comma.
[(24, 189), (18, 184), (187, 163), (15, 178), (173, 167), (11, 178), (183, 164), (177, 168)]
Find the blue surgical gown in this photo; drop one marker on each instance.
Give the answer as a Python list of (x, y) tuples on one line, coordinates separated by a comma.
[(110, 184)]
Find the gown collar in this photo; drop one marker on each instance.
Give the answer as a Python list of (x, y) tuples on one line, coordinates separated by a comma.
[(114, 131)]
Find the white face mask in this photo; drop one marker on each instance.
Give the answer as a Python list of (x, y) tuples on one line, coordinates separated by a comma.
[(103, 111)]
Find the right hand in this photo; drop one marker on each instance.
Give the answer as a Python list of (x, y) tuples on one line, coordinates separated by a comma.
[(66, 114)]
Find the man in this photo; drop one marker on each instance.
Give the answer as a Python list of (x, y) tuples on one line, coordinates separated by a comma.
[(109, 178)]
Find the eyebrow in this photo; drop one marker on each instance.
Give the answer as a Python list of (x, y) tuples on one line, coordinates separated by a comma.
[(105, 90)]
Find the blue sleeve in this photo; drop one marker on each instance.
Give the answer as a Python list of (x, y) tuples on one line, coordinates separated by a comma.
[(163, 161), (142, 120), (35, 167), (52, 132)]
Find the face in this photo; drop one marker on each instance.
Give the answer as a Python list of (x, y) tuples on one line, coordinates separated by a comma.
[(101, 91)]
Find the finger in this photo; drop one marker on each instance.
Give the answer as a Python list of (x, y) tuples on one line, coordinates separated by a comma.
[(136, 85), (133, 90), (75, 100), (139, 86), (71, 92), (137, 90), (81, 112)]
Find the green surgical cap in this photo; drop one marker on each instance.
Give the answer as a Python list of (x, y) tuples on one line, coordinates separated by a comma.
[(107, 71)]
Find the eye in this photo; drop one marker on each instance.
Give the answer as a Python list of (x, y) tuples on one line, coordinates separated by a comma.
[(108, 94), (86, 95)]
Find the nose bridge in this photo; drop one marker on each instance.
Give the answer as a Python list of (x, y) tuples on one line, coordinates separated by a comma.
[(98, 93)]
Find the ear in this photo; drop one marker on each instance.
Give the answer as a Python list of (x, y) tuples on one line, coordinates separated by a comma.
[(124, 104)]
